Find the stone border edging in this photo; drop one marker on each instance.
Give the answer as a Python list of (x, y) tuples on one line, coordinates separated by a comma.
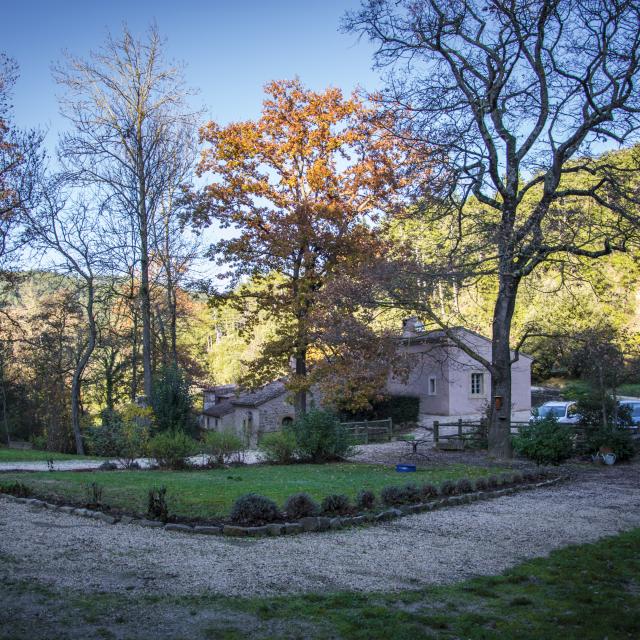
[(314, 523)]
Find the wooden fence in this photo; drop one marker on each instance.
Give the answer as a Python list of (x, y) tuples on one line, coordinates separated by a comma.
[(370, 431), (474, 434)]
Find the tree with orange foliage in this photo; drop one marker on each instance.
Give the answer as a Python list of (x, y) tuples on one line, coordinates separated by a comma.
[(303, 186)]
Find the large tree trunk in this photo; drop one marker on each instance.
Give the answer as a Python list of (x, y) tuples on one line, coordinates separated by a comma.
[(499, 436), (3, 395), (109, 379), (145, 296), (134, 357), (173, 322), (79, 371), (300, 403)]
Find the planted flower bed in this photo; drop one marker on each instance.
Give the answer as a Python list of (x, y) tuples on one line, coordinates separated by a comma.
[(256, 515)]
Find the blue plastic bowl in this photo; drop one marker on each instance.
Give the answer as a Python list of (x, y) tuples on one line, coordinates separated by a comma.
[(405, 468)]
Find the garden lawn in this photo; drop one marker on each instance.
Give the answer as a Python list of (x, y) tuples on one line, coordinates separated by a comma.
[(211, 493), (36, 455)]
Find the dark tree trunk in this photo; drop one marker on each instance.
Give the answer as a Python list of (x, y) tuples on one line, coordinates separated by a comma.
[(145, 294), (173, 323), (499, 436), (3, 396), (109, 379), (81, 365), (134, 358), (300, 405)]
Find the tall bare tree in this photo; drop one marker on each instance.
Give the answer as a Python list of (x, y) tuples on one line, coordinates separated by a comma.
[(69, 237), (515, 96), (128, 110)]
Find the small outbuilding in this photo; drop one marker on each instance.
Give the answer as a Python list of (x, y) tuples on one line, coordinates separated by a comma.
[(248, 414)]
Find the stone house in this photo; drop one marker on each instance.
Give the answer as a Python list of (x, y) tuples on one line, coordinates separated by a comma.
[(248, 414), (448, 381)]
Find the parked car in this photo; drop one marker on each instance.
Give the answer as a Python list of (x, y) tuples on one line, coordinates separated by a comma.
[(565, 412), (634, 410)]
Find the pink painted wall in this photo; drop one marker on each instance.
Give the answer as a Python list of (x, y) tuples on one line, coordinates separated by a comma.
[(452, 369)]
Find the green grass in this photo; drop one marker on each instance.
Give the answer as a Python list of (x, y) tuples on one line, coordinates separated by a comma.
[(586, 592), (207, 494), (35, 455)]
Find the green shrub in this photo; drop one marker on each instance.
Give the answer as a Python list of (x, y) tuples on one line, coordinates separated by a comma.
[(392, 496), (222, 446), (406, 494), (157, 504), (366, 500), (39, 442), (336, 504), (278, 447), (401, 410), (505, 479), (618, 439), (94, 494), (171, 449), (481, 484), (448, 488), (320, 437), (171, 401), (123, 434), (301, 505), (544, 442), (464, 486), (253, 509), (428, 491), (18, 489), (412, 493)]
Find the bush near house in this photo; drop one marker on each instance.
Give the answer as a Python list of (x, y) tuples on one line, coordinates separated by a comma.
[(222, 446), (618, 439), (319, 437), (401, 410), (123, 434), (278, 447), (172, 448), (172, 403), (544, 442)]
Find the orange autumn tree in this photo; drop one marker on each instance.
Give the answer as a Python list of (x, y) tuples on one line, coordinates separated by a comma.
[(302, 186)]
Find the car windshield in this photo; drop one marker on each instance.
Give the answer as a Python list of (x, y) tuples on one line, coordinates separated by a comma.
[(633, 408), (548, 412)]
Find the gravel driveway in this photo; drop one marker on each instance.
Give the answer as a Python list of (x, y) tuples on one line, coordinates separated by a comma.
[(436, 547)]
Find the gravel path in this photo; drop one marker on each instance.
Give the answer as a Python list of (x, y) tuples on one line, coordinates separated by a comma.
[(437, 547)]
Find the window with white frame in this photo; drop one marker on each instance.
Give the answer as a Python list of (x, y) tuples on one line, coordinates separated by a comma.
[(477, 384), (433, 386)]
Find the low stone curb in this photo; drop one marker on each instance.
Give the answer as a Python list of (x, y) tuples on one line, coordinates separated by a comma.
[(309, 524)]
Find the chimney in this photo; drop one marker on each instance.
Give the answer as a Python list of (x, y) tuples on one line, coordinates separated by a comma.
[(412, 327)]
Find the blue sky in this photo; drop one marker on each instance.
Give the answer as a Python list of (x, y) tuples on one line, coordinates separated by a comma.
[(231, 49)]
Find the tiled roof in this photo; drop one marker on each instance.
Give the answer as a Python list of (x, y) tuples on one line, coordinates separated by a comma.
[(261, 395), (253, 398), (219, 410)]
